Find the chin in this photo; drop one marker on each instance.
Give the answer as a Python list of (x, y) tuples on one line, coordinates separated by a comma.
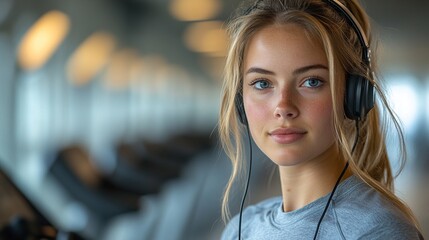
[(286, 160)]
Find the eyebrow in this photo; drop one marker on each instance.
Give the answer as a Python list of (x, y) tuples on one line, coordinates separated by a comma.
[(259, 70), (295, 72)]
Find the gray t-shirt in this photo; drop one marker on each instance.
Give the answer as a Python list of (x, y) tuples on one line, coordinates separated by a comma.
[(357, 211)]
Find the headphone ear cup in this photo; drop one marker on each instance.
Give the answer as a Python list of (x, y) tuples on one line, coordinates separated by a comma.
[(369, 97), (239, 107), (359, 97)]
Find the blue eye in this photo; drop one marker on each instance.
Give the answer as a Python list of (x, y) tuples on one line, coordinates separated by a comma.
[(312, 83), (261, 84)]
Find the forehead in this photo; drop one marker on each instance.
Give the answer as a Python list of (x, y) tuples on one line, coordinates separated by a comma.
[(285, 44)]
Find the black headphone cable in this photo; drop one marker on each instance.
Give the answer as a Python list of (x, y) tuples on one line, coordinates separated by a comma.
[(338, 181), (247, 184)]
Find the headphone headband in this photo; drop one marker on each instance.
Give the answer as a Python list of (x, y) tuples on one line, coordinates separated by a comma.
[(340, 8), (359, 97)]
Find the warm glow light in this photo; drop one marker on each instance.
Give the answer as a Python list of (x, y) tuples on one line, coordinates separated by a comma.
[(194, 10), (207, 37), (120, 70), (90, 57), (42, 40)]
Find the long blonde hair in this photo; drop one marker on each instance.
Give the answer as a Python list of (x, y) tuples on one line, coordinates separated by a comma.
[(370, 161)]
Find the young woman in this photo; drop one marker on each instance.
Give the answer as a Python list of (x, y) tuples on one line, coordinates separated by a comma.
[(300, 81)]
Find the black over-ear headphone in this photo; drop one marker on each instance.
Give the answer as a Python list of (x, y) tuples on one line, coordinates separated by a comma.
[(359, 92), (359, 95)]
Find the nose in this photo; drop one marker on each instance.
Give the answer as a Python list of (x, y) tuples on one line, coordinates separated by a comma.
[(286, 107)]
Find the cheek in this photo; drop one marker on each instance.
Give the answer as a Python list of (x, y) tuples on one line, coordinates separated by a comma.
[(322, 110), (256, 112), (321, 114)]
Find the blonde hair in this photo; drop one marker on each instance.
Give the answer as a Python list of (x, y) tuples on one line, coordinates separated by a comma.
[(369, 161)]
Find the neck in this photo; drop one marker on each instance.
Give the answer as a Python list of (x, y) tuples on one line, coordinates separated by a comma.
[(307, 182)]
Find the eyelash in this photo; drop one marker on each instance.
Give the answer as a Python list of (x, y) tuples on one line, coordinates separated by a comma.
[(321, 82), (255, 82)]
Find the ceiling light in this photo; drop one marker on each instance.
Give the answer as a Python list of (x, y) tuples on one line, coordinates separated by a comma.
[(90, 57), (42, 39), (207, 37), (119, 72), (194, 10)]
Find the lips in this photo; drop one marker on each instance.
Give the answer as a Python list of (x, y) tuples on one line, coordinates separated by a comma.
[(287, 135)]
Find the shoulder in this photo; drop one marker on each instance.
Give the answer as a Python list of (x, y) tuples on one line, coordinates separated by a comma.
[(364, 211), (251, 214), (358, 198), (393, 228)]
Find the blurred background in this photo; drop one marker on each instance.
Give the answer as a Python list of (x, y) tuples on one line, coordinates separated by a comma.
[(109, 110)]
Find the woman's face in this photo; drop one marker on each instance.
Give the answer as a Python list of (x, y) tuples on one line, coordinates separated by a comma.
[(287, 96)]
